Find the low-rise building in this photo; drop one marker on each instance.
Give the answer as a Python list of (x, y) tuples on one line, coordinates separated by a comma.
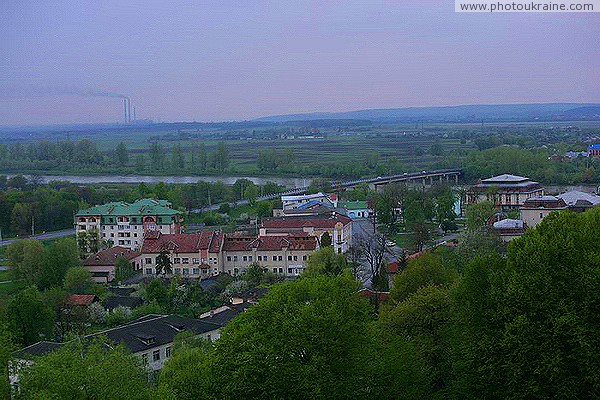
[(535, 209), (509, 229), (505, 191), (283, 255), (290, 202), (150, 337), (339, 228), (191, 254), (102, 264), (125, 224), (356, 209), (579, 201)]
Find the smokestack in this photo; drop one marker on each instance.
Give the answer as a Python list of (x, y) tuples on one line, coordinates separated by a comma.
[(125, 108), (134, 113), (128, 110)]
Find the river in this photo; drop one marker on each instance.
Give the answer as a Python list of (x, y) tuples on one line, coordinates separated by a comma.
[(133, 179)]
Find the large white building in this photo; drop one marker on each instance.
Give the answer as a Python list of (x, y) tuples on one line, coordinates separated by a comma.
[(505, 191)]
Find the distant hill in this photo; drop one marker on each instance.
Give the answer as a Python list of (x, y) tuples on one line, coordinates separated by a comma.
[(464, 113)]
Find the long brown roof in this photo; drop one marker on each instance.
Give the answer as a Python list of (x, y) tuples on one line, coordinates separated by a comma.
[(183, 242), (270, 243), (109, 256), (325, 221)]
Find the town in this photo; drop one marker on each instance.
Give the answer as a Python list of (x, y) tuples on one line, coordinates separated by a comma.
[(299, 200)]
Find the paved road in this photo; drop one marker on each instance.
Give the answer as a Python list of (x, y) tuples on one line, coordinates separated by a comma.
[(43, 236)]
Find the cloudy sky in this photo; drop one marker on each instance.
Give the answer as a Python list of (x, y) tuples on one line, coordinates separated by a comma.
[(229, 59)]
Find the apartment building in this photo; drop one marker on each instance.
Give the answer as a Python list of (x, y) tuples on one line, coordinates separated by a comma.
[(102, 265), (282, 255), (339, 228), (505, 191), (191, 254), (124, 224), (291, 202)]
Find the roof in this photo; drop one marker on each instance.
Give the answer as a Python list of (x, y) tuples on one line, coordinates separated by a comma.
[(271, 243), (154, 330), (138, 208), (299, 222), (81, 299), (572, 197), (121, 291), (183, 242), (544, 202), (374, 294), (37, 349), (303, 197), (354, 205), (505, 178), (220, 316), (109, 256), (509, 224), (113, 302)]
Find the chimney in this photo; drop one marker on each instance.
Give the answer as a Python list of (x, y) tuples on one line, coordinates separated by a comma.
[(128, 110), (125, 108)]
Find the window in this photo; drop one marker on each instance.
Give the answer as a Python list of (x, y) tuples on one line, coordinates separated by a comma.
[(289, 258), (295, 258), (304, 257), (274, 258), (280, 258), (177, 270), (156, 355), (112, 235), (244, 258), (134, 234), (196, 271), (274, 270), (177, 260), (148, 260), (281, 270), (289, 270), (186, 271), (148, 271), (195, 261), (228, 258), (168, 352), (541, 215), (145, 359), (249, 258), (185, 260), (234, 258)]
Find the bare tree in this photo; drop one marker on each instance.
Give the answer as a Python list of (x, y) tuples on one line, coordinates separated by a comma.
[(372, 249), (354, 256)]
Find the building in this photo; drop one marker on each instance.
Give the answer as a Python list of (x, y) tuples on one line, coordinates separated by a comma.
[(509, 229), (290, 202), (150, 337), (594, 150), (191, 254), (535, 209), (125, 224), (579, 201), (505, 191), (102, 264), (283, 255), (339, 228), (356, 209)]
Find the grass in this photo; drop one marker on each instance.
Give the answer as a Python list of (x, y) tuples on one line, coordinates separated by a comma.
[(8, 286)]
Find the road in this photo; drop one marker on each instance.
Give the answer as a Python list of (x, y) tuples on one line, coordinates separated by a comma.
[(42, 236)]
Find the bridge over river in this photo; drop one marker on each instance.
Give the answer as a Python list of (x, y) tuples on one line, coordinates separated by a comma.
[(378, 183)]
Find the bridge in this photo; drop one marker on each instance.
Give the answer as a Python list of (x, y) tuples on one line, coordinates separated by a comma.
[(378, 183)]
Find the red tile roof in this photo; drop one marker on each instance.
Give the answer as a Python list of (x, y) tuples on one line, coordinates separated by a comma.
[(392, 268), (324, 221), (270, 243), (373, 294), (109, 256), (81, 299), (184, 242)]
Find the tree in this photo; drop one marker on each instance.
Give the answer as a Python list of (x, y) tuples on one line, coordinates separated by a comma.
[(251, 193), (325, 240), (163, 263), (21, 218), (28, 317), (28, 259), (78, 280), (85, 371), (372, 249), (318, 346), (123, 269), (121, 155), (479, 214), (177, 158), (61, 255), (6, 348), (325, 262)]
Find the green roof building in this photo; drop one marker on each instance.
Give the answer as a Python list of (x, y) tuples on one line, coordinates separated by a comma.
[(355, 209), (125, 224)]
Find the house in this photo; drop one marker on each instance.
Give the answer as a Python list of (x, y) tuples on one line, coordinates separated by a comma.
[(594, 150), (125, 224), (505, 191), (102, 264), (150, 337), (283, 255), (509, 229), (579, 201), (112, 302), (191, 254), (535, 209), (290, 202), (81, 300), (339, 228), (221, 315), (356, 209)]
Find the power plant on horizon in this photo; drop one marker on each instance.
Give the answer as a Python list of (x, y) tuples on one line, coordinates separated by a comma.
[(127, 110)]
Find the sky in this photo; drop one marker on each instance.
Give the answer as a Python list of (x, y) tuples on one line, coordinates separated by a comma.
[(234, 60)]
